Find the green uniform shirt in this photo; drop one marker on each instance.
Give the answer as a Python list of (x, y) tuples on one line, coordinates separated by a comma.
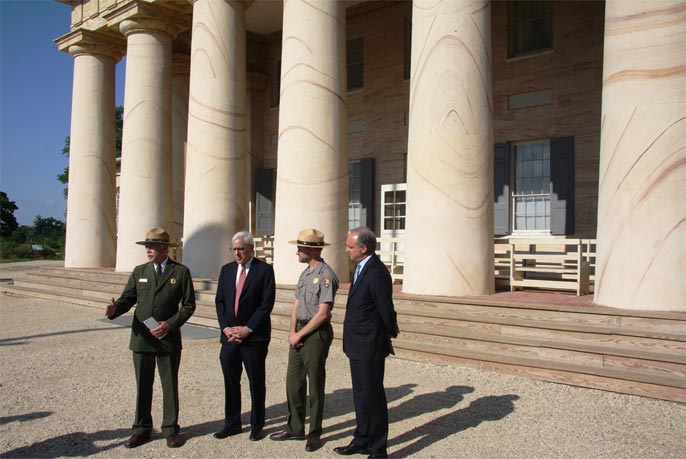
[(315, 287)]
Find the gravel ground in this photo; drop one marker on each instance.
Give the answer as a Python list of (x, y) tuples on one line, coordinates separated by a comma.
[(67, 389)]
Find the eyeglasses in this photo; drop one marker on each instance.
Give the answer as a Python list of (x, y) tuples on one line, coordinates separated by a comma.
[(239, 249)]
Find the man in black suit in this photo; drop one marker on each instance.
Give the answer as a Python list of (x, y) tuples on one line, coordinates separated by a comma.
[(370, 323), (244, 300)]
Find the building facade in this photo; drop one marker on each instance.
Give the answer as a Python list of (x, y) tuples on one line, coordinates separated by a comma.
[(446, 123)]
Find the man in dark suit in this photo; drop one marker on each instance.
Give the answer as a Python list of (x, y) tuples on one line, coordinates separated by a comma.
[(157, 287), (244, 300), (370, 323)]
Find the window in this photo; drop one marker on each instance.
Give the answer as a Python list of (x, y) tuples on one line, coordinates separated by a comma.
[(354, 204), (361, 193), (394, 208), (531, 196), (354, 62), (530, 27), (264, 201), (276, 84), (541, 198)]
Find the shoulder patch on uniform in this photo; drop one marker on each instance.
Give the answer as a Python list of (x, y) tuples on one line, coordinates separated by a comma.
[(326, 281), (315, 280)]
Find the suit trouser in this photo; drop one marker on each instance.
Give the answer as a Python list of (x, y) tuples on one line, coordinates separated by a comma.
[(232, 358), (168, 367), (308, 363), (371, 408)]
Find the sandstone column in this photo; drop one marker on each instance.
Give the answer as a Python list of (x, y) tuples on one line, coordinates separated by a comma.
[(180, 82), (449, 236), (312, 172), (216, 201), (145, 185), (641, 251), (91, 211)]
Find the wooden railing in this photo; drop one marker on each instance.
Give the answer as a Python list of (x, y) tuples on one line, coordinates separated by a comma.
[(555, 264)]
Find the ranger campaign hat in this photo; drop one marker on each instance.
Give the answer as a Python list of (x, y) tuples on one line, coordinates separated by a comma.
[(157, 235), (310, 237)]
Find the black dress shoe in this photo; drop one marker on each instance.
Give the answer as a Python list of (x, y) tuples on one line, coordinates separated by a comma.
[(285, 435), (313, 443), (256, 435), (231, 431), (174, 441), (373, 455), (351, 449), (136, 440)]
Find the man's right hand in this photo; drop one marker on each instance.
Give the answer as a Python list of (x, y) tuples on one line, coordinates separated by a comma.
[(111, 309), (294, 340)]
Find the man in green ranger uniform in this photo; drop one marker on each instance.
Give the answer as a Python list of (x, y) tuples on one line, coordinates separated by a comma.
[(309, 340), (157, 287)]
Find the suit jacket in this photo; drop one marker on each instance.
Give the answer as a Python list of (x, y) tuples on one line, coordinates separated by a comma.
[(370, 318), (255, 303), (159, 300)]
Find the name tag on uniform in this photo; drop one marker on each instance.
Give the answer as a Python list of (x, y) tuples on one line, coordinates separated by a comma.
[(142, 280)]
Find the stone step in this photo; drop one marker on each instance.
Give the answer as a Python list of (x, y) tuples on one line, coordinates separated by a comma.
[(627, 351)]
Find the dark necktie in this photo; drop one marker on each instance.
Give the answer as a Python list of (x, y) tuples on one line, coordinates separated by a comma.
[(239, 288), (158, 272)]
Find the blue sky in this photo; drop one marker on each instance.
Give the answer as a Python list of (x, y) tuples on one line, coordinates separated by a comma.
[(35, 105)]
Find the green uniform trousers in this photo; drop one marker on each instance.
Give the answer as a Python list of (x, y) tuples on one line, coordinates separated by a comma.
[(168, 367), (308, 363)]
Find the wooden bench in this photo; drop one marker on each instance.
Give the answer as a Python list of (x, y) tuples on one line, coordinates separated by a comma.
[(389, 252), (501, 262), (264, 248), (557, 264)]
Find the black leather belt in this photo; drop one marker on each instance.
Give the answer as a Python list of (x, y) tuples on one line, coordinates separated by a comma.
[(303, 322)]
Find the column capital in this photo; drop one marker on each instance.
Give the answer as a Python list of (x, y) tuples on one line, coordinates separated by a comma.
[(172, 18), (82, 41)]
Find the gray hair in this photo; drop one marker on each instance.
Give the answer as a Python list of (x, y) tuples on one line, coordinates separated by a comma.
[(246, 236), (365, 237)]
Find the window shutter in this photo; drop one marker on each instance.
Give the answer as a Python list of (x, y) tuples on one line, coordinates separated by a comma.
[(501, 189), (264, 202), (562, 182), (367, 191)]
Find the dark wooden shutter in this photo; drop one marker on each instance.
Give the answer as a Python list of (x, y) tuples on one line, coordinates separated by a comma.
[(562, 184), (264, 202), (501, 189), (367, 191)]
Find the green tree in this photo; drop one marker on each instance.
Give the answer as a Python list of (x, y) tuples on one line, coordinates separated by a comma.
[(118, 129), (48, 227), (50, 233), (8, 222)]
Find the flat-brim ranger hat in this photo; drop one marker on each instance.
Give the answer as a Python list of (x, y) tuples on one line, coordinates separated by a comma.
[(157, 235), (310, 237)]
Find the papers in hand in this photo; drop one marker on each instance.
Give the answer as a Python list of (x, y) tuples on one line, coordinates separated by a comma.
[(151, 323)]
